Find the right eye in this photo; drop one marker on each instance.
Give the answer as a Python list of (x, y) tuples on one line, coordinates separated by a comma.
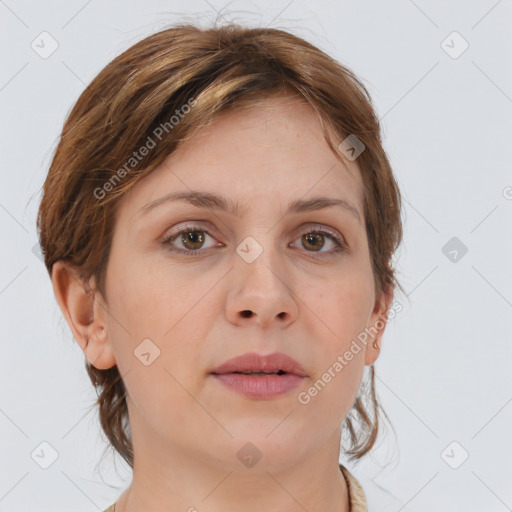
[(193, 236)]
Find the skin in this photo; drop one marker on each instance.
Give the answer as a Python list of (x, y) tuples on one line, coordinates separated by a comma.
[(310, 304)]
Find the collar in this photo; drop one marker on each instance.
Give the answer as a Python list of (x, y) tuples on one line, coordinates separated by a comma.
[(356, 496)]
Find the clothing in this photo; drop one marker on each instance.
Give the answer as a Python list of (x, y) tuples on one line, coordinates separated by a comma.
[(379, 498), (356, 496)]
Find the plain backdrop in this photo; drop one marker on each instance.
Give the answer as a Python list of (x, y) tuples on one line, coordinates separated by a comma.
[(440, 76)]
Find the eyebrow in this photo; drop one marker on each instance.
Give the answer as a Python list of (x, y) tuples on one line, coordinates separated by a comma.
[(215, 202)]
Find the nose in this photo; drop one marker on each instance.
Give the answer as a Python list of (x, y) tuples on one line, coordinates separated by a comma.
[(260, 293)]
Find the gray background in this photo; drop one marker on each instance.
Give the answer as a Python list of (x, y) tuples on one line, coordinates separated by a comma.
[(444, 373)]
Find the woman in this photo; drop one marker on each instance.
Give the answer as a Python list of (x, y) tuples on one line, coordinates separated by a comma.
[(218, 223)]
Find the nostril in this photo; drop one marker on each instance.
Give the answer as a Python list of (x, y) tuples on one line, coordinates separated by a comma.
[(246, 313)]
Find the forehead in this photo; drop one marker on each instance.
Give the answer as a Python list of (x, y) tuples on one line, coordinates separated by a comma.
[(273, 149)]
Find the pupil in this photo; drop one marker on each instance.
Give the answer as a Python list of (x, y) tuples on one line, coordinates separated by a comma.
[(313, 237), (194, 238)]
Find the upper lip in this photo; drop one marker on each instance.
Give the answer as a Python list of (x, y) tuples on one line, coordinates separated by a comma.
[(254, 362)]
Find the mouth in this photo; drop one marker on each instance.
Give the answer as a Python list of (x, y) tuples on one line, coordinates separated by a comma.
[(253, 363), (259, 385), (255, 374), (260, 377)]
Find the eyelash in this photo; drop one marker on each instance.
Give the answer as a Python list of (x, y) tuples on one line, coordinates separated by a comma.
[(338, 240)]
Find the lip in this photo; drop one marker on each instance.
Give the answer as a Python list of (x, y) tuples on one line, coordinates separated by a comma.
[(231, 374), (254, 362)]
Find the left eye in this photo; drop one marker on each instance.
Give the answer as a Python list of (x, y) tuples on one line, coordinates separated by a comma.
[(193, 239), (313, 239)]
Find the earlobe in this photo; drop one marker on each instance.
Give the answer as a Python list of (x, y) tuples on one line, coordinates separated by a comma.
[(378, 321), (84, 313)]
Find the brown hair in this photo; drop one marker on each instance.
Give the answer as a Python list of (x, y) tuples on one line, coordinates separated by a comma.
[(134, 99)]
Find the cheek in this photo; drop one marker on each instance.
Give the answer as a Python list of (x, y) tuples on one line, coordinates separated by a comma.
[(159, 398), (344, 308), (165, 308), (152, 300), (169, 307), (334, 386)]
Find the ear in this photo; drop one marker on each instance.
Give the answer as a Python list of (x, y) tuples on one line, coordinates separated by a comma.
[(86, 314), (377, 324)]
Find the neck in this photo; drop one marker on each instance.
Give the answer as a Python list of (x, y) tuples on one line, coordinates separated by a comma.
[(168, 479)]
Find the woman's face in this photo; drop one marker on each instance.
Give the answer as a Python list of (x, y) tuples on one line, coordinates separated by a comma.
[(173, 317)]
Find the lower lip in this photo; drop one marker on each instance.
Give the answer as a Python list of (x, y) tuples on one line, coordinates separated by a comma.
[(260, 386)]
